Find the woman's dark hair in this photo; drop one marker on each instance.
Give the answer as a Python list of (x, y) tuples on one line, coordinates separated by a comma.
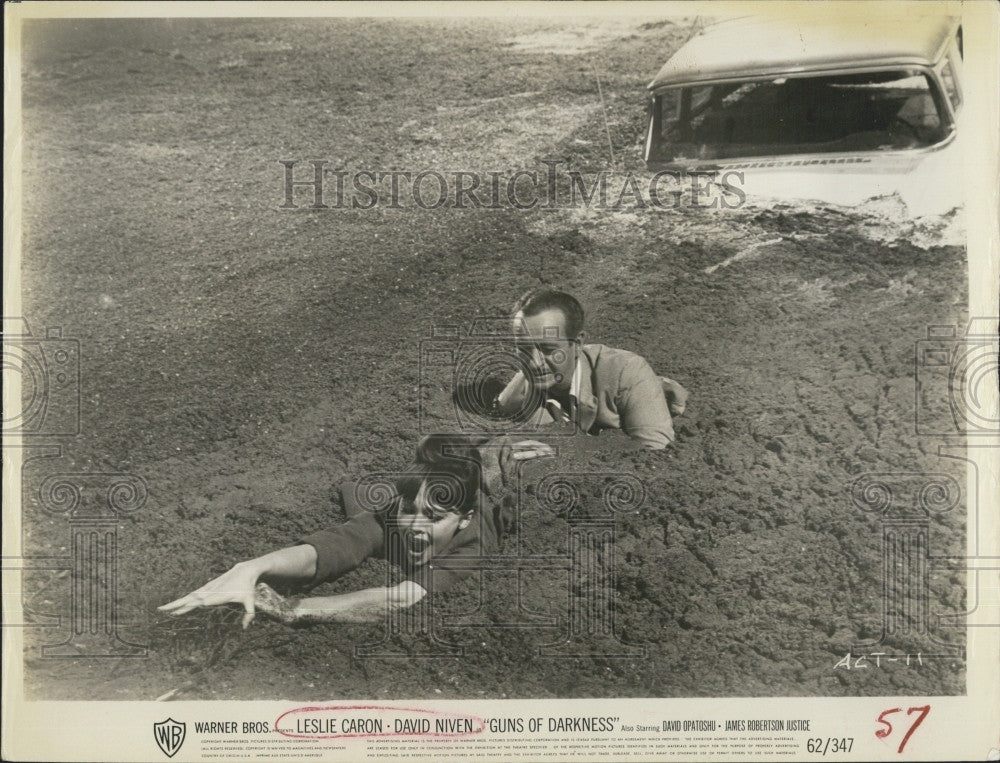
[(450, 465), (536, 300)]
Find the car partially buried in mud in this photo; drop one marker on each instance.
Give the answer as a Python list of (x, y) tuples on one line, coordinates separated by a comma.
[(806, 109)]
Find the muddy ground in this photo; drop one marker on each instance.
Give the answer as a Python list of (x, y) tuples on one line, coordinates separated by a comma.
[(243, 359)]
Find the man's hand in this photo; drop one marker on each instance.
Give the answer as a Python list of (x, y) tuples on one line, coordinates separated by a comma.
[(233, 587), (525, 450)]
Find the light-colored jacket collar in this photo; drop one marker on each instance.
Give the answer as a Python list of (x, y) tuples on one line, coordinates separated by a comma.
[(582, 387)]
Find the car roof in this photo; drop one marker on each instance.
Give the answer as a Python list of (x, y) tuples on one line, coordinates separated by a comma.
[(749, 46)]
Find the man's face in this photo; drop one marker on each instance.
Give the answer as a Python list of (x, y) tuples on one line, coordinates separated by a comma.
[(425, 527), (550, 354)]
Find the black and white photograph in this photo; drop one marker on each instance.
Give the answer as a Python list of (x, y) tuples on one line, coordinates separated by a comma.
[(501, 380)]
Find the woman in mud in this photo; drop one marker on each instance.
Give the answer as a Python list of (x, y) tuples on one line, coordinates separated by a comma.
[(448, 503)]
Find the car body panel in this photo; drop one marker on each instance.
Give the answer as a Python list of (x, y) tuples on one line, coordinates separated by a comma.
[(774, 46)]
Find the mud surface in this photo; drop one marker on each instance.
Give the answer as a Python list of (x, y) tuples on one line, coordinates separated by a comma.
[(244, 359)]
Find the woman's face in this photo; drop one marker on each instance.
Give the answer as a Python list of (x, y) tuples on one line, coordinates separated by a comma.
[(425, 527)]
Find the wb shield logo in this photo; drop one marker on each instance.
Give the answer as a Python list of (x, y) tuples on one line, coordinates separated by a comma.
[(169, 735)]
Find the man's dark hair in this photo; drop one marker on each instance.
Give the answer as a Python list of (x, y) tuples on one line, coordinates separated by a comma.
[(535, 301), (450, 464)]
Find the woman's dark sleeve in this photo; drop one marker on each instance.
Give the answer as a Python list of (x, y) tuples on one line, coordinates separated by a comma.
[(344, 547)]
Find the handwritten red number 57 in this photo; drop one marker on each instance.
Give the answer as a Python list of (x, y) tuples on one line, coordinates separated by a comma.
[(884, 732)]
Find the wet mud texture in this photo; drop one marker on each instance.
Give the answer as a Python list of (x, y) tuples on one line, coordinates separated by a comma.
[(243, 360)]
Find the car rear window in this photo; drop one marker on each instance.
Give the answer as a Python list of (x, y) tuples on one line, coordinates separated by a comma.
[(875, 111)]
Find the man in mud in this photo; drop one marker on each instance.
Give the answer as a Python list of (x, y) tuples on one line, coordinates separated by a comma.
[(450, 502), (592, 385)]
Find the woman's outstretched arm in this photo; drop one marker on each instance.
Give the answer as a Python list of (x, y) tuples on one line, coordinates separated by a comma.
[(237, 585), (364, 606)]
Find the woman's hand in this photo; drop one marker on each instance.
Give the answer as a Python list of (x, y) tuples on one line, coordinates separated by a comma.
[(237, 585), (273, 604), (233, 587)]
